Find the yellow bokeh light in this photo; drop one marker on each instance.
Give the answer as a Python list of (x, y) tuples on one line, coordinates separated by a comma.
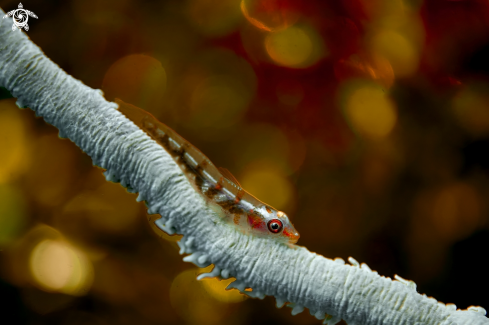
[(295, 47), (13, 142), (137, 79), (217, 289), (402, 54), (266, 182), (214, 18), (470, 107), (370, 112), (56, 266)]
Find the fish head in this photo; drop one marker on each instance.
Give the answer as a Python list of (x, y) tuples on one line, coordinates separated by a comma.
[(276, 224)]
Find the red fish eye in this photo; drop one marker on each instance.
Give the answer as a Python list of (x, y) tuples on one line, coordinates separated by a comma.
[(275, 226)]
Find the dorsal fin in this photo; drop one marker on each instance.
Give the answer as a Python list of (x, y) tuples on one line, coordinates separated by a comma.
[(226, 173)]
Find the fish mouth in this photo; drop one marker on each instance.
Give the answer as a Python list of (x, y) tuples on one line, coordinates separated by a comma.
[(294, 237)]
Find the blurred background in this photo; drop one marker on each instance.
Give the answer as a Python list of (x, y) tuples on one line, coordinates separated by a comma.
[(366, 121)]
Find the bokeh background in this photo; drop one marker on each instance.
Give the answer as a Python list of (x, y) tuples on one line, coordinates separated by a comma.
[(367, 121)]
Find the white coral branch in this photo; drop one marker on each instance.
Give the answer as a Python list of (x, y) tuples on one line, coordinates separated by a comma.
[(331, 290)]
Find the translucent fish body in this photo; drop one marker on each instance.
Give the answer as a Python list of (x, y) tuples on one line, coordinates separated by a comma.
[(240, 208)]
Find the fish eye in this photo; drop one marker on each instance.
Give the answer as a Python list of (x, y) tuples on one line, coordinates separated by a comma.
[(275, 226)]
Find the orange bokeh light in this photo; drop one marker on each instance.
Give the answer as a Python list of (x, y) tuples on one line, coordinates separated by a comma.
[(269, 15)]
